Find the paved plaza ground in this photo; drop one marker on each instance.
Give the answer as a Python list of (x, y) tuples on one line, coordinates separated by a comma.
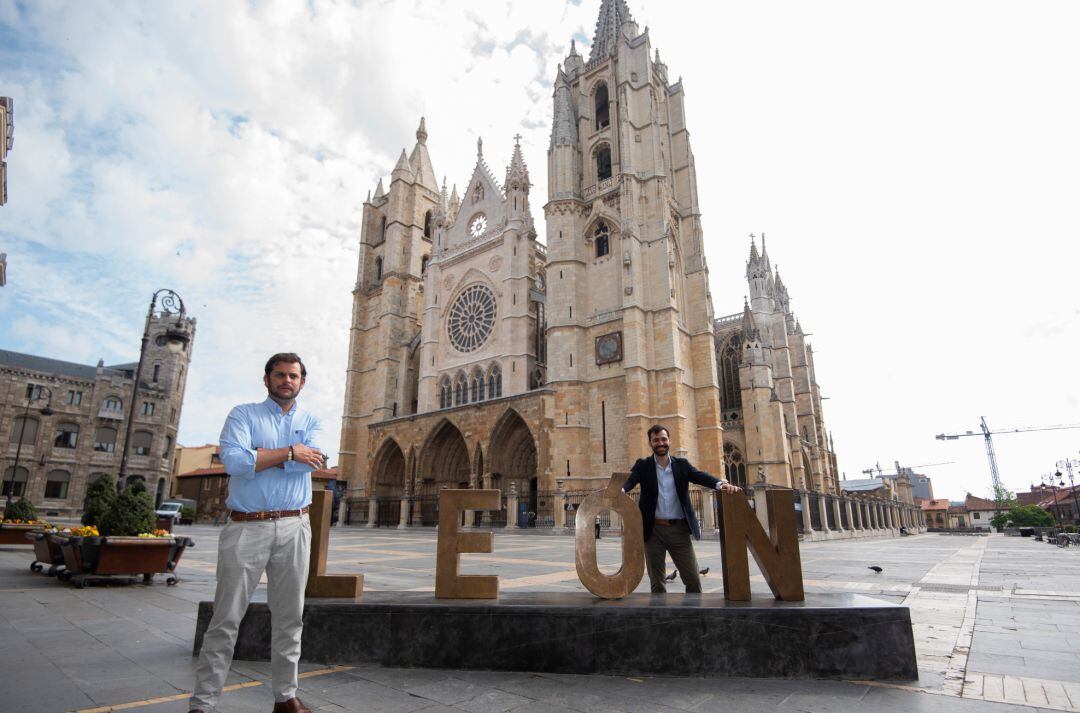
[(996, 619)]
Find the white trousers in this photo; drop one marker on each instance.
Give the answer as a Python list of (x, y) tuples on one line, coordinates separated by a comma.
[(245, 549)]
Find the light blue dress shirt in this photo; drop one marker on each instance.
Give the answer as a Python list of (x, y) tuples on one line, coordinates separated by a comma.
[(265, 425), (668, 506)]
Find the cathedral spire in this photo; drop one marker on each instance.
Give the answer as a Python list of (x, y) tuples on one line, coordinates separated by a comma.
[(517, 171), (564, 123), (455, 203), (420, 160), (613, 15), (421, 132), (379, 190), (402, 171)]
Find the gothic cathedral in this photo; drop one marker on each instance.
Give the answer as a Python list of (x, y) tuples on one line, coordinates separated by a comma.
[(481, 357)]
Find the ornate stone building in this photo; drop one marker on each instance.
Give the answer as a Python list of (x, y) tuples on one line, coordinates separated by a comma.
[(769, 395), (480, 358), (81, 435)]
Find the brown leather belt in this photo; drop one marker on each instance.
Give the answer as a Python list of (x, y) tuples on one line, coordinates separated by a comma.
[(662, 521), (266, 515)]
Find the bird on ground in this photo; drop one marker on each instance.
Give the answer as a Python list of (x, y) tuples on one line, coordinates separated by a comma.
[(875, 568), (704, 572), (671, 577)]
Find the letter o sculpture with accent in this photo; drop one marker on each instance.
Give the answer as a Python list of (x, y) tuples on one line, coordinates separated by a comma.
[(628, 577)]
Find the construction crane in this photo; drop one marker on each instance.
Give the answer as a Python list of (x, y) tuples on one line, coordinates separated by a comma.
[(877, 467), (995, 476)]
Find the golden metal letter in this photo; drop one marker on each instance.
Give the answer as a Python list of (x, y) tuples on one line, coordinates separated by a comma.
[(449, 584), (624, 581), (777, 553)]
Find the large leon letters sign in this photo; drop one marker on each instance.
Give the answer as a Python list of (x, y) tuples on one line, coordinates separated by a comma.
[(777, 553)]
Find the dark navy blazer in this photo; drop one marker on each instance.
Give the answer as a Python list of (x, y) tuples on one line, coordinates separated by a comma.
[(644, 474)]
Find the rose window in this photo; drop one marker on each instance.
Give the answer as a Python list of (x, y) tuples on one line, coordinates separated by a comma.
[(472, 318)]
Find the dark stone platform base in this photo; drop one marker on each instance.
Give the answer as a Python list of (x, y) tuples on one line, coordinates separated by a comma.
[(827, 636)]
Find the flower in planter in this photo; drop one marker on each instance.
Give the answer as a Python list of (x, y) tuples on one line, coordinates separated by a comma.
[(156, 534), (85, 531)]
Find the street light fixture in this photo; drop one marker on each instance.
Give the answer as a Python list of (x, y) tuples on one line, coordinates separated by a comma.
[(1049, 482), (36, 394), (176, 337), (1068, 464)]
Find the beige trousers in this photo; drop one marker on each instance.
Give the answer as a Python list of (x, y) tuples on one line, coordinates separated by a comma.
[(280, 548), (676, 540)]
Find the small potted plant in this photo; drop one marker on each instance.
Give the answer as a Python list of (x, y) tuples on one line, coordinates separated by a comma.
[(123, 542)]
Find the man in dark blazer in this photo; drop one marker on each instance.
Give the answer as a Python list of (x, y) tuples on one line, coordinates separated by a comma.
[(667, 517)]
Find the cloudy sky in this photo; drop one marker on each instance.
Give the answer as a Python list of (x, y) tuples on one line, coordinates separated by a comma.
[(915, 167)]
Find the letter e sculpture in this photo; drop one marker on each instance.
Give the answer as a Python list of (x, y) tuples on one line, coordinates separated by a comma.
[(449, 584)]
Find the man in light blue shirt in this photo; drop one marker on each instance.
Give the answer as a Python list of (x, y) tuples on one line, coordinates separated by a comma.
[(269, 450)]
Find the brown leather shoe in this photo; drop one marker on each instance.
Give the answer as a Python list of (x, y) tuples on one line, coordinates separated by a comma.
[(293, 705), (196, 710)]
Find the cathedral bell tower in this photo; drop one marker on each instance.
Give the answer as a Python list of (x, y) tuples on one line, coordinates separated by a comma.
[(630, 329), (395, 245)]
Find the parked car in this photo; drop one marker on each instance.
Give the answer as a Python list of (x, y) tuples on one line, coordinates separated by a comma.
[(172, 508)]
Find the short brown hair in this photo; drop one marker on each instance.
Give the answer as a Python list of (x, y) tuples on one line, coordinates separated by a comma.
[(656, 428), (288, 358)]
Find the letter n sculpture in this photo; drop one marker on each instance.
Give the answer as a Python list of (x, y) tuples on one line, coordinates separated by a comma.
[(626, 579), (776, 553)]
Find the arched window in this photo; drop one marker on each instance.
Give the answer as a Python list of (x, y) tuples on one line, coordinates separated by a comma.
[(423, 264), (140, 443), (105, 439), (601, 236), (382, 229), (56, 484), (481, 385), (24, 430), (16, 489), (378, 270), (730, 392), (445, 393), (168, 448), (495, 382), (112, 404), (474, 389), (603, 163), (427, 225), (734, 466), (603, 114), (461, 390), (67, 435)]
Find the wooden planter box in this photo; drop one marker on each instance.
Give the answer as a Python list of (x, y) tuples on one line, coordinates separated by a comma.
[(47, 552), (16, 534), (87, 558)]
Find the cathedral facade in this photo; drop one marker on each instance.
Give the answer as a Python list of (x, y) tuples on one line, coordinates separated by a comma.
[(482, 357)]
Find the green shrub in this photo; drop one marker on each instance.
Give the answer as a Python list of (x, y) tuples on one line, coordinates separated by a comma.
[(1070, 528), (23, 510), (187, 513), (136, 485), (131, 514), (100, 497)]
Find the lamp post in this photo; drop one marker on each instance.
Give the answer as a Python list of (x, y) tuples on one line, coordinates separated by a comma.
[(176, 338), (1068, 464), (1049, 482), (36, 394)]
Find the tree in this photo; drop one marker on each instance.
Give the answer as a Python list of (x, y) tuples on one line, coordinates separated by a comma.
[(23, 510), (131, 514), (100, 497), (1025, 516)]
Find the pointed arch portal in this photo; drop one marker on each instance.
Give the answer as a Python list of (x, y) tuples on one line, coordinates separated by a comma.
[(512, 454)]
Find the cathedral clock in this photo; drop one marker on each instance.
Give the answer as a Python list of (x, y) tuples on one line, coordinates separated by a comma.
[(609, 348), (472, 317)]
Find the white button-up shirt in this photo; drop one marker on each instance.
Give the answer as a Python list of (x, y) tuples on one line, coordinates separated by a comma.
[(668, 506)]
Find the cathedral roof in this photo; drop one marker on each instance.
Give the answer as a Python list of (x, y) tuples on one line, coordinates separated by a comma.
[(420, 161), (613, 13)]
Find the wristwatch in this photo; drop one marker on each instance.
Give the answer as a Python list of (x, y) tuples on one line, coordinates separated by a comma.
[(292, 455)]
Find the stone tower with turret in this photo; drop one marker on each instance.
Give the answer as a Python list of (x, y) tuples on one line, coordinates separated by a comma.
[(630, 322)]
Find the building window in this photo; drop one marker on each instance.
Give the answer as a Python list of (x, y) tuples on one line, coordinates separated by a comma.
[(445, 394), (105, 439), (56, 485), (382, 230), (730, 391), (24, 430), (17, 488), (603, 112), (603, 163), (140, 443), (378, 270), (601, 236), (67, 436), (734, 466), (157, 372), (427, 225), (975, 516), (74, 398), (168, 448), (461, 390), (423, 264), (495, 382), (112, 404), (147, 408), (179, 378)]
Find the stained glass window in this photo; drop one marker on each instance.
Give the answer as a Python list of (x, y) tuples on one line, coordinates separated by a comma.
[(472, 318)]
